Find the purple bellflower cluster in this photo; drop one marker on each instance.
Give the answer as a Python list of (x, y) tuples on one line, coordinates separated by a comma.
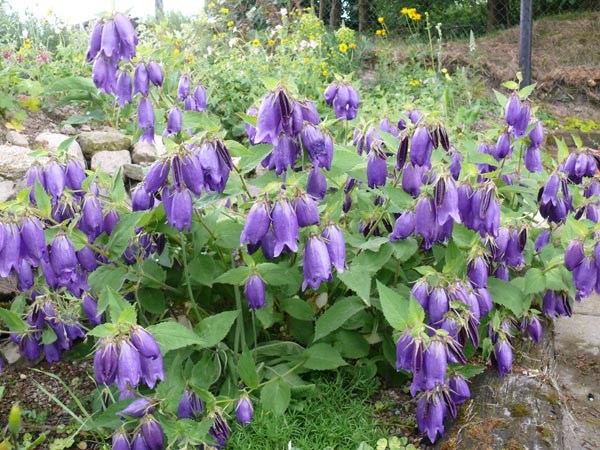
[(344, 98), (148, 435), (192, 101)]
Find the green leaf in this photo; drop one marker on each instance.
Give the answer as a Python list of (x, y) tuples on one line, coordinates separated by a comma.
[(526, 91), (200, 121), (405, 248), (152, 300), (48, 336), (279, 274), (555, 279), (455, 259), (506, 294), (512, 85), (359, 281), (469, 370), (172, 335), (202, 269), (247, 369), (563, 150), (42, 199), (123, 232), (155, 271), (213, 329), (14, 323), (234, 276), (351, 344), (206, 371), (373, 261), (228, 234), (275, 396), (535, 281), (502, 99), (323, 357), (401, 313), (337, 315), (297, 308), (114, 302)]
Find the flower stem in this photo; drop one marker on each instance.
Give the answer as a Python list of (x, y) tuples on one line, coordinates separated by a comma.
[(186, 273)]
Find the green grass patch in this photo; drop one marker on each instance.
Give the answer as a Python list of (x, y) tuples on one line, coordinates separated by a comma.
[(338, 415)]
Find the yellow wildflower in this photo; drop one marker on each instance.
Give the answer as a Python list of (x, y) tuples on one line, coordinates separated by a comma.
[(380, 19), (270, 42), (378, 32), (404, 11), (177, 42), (189, 58), (211, 5), (414, 82), (176, 52), (230, 23), (352, 45), (224, 10), (306, 60), (343, 47), (27, 44), (255, 43), (383, 32), (415, 16), (325, 73)]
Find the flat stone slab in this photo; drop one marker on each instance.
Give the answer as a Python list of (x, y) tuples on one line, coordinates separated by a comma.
[(92, 142), (51, 142), (16, 138), (146, 153), (110, 161), (15, 161)]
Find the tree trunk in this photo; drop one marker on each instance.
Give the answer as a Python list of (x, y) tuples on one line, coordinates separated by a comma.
[(335, 15), (322, 6), (363, 14), (497, 13), (159, 9)]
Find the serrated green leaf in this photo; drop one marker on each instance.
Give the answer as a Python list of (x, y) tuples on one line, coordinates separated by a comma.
[(535, 281), (48, 336), (275, 396), (247, 369), (323, 357), (173, 335), (14, 323), (120, 237), (234, 276), (213, 329), (337, 315), (297, 308), (206, 371), (359, 281), (506, 294), (107, 275), (401, 313), (42, 199)]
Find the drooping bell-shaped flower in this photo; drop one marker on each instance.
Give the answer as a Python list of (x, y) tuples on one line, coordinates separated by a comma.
[(409, 352), (129, 371), (313, 140), (127, 36), (503, 356), (110, 39), (24, 275), (244, 410), (316, 184), (190, 405), (95, 41), (412, 179), (331, 92), (100, 74), (140, 199), (144, 342), (437, 305), (157, 176), (123, 89), (376, 169), (219, 431), (285, 227), (255, 292), (431, 412), (152, 370), (542, 240), (459, 389), (90, 308), (54, 177), (183, 88), (62, 257), (317, 264), (435, 363), (268, 121), (309, 112), (421, 147), (91, 221), (145, 115), (404, 226), (155, 73), (425, 220), (574, 254), (110, 221), (534, 328), (138, 442), (174, 121), (200, 97), (512, 110), (179, 208), (446, 201), (522, 122), (533, 159), (421, 292), (257, 223), (536, 135), (307, 211), (74, 174), (336, 246), (119, 441), (33, 242), (584, 277), (478, 272), (106, 362), (152, 433)]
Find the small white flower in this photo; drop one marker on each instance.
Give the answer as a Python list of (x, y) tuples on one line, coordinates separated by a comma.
[(303, 44), (25, 33), (283, 12), (313, 43)]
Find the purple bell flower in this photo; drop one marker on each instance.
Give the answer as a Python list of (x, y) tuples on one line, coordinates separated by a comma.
[(431, 412), (24, 275), (331, 92), (285, 227), (316, 184), (110, 221), (542, 240), (190, 406), (174, 121), (90, 308), (123, 89), (446, 201), (437, 305), (88, 259), (140, 199), (307, 212), (138, 443), (152, 370), (409, 354), (254, 290), (129, 371), (183, 89), (54, 177), (478, 272), (152, 433), (219, 431), (459, 389), (574, 255), (91, 221), (127, 37), (584, 277), (421, 147), (425, 220), (404, 226), (179, 208), (435, 364), (74, 174), (522, 122), (200, 98), (110, 39), (106, 362), (257, 224), (336, 246), (536, 135), (421, 292), (244, 411), (503, 356), (533, 159), (412, 179), (313, 140), (155, 73), (119, 441), (156, 176), (95, 41), (145, 115), (62, 257), (33, 241), (534, 328), (144, 343), (317, 264), (268, 121), (513, 110), (376, 169), (309, 112)]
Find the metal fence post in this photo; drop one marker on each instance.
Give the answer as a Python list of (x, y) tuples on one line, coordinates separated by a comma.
[(525, 40)]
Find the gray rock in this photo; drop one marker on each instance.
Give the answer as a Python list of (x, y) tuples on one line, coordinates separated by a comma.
[(110, 161), (15, 161), (51, 142), (7, 190), (97, 141), (10, 350), (146, 153), (68, 129), (134, 172), (16, 138)]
